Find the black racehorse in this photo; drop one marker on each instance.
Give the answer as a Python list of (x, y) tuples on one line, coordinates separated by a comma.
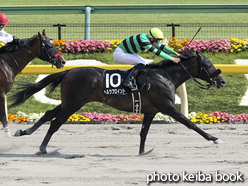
[(14, 57), (82, 85)]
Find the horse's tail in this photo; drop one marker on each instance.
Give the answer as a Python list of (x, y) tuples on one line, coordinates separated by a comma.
[(29, 89)]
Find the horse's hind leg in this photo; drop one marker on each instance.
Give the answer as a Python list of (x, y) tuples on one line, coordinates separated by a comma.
[(3, 114), (64, 114), (48, 116)]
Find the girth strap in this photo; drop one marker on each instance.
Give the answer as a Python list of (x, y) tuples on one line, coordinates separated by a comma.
[(136, 102)]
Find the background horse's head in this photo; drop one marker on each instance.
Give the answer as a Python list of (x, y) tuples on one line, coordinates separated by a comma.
[(207, 71), (49, 52)]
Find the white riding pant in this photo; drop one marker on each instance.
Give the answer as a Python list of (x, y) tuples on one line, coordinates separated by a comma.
[(129, 59)]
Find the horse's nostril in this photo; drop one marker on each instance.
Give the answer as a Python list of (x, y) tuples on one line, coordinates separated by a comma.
[(63, 62)]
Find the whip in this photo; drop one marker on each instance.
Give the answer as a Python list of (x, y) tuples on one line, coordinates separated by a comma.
[(192, 39)]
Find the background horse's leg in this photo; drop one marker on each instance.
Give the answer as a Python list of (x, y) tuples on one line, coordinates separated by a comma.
[(3, 114), (48, 116), (172, 111), (144, 131)]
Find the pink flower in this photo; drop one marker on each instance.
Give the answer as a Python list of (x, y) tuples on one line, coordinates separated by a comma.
[(212, 45), (108, 117), (86, 46)]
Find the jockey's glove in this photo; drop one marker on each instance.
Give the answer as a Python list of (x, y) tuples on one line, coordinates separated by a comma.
[(182, 57)]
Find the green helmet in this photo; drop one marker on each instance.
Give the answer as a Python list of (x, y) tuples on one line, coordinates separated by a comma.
[(155, 33)]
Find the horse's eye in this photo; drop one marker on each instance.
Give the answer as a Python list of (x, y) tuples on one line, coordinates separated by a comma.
[(208, 65)]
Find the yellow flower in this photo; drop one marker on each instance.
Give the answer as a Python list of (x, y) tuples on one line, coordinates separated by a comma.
[(207, 121)]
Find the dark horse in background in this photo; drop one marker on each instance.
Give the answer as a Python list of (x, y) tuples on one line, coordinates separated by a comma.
[(82, 85), (13, 61)]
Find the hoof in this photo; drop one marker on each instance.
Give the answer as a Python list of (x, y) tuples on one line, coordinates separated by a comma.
[(145, 153), (18, 133), (41, 153), (43, 150), (218, 141)]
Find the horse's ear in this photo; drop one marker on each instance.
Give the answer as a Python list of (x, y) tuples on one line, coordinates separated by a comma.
[(199, 54), (39, 34), (44, 32)]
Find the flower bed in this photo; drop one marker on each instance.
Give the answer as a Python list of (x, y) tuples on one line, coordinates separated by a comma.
[(82, 46), (218, 117), (92, 46), (17, 119), (82, 117), (210, 46), (222, 45), (113, 118), (199, 117)]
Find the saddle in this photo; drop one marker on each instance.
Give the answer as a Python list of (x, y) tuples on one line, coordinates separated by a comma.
[(113, 82), (113, 85)]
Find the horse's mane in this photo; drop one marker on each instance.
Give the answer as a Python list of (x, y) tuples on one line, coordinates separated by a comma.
[(23, 43), (165, 63)]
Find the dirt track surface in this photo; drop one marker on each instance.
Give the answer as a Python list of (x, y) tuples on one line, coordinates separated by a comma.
[(107, 155)]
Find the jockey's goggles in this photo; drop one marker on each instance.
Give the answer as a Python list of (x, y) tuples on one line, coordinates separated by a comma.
[(2, 26), (157, 40)]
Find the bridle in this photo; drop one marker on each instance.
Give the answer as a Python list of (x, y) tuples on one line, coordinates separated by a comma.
[(51, 55), (48, 56), (202, 69)]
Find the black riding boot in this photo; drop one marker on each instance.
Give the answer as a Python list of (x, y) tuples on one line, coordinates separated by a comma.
[(129, 82)]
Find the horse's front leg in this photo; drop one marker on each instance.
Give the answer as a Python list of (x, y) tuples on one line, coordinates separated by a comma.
[(144, 131), (172, 111), (3, 114)]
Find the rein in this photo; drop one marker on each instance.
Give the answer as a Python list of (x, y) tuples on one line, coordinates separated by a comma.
[(29, 51), (17, 64), (198, 84)]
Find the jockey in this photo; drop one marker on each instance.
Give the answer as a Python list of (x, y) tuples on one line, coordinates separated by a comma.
[(4, 36), (125, 53)]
